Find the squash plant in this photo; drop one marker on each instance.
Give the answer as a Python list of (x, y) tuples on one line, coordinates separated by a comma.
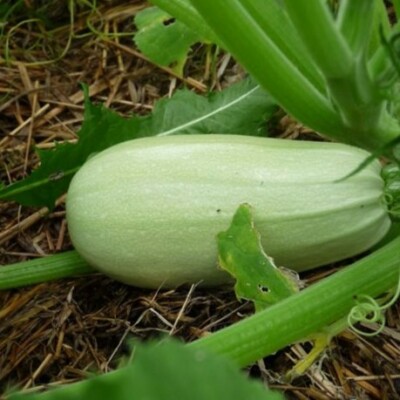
[(335, 69)]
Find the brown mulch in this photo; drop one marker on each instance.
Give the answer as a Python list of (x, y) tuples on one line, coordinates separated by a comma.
[(59, 332)]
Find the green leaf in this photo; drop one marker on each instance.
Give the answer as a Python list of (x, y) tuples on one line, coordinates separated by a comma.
[(241, 254), (242, 109), (163, 39), (166, 371), (186, 13)]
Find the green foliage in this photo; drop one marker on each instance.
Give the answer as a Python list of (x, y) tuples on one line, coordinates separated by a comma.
[(391, 175), (309, 311), (242, 108), (183, 10), (163, 39), (241, 254), (166, 371), (335, 87)]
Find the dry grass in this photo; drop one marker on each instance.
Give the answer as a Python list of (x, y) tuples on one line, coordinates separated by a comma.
[(58, 332)]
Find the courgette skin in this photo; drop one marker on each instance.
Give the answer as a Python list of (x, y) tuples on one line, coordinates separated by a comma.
[(147, 211)]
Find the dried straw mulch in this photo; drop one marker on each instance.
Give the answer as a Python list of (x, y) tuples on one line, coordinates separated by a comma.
[(58, 332)]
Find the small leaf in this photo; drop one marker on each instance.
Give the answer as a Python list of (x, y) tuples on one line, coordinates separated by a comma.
[(167, 371), (241, 254), (243, 108), (163, 39)]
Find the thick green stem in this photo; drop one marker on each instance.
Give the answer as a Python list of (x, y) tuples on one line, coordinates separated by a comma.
[(245, 37), (275, 23), (356, 23), (361, 98), (381, 24), (43, 269), (262, 334), (350, 109), (316, 26), (381, 66), (309, 311), (340, 48)]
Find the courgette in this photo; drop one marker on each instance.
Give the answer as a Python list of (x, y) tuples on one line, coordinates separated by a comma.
[(147, 211)]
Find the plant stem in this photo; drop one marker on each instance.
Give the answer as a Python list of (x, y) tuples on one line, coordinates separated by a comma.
[(350, 106), (309, 311), (262, 334), (43, 269), (340, 48), (276, 24), (299, 316), (316, 26), (356, 23), (245, 37)]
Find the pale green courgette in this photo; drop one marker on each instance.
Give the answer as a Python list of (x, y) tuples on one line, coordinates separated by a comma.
[(147, 211)]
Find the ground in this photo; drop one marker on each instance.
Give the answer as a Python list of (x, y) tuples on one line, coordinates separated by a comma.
[(57, 332)]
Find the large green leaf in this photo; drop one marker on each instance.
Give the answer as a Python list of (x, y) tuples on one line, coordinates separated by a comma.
[(242, 109), (165, 371)]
